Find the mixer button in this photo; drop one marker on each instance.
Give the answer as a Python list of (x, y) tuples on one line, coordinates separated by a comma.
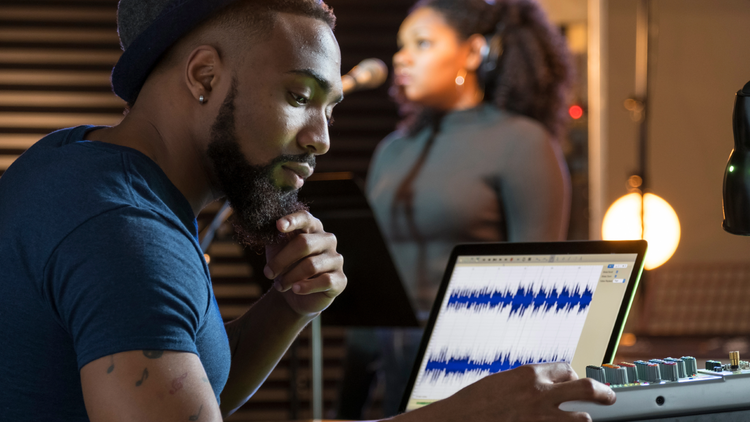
[(681, 369), (641, 370), (669, 371), (691, 366), (597, 373), (631, 371), (653, 373)]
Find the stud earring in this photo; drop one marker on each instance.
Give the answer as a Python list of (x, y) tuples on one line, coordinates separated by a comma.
[(461, 78), (201, 99)]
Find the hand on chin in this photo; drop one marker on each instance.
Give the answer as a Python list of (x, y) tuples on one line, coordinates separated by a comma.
[(306, 267)]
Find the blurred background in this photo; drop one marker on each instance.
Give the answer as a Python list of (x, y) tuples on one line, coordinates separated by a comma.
[(56, 57)]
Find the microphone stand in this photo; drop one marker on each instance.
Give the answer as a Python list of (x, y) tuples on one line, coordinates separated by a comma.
[(639, 109)]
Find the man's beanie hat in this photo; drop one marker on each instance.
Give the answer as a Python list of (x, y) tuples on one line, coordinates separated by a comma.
[(147, 29)]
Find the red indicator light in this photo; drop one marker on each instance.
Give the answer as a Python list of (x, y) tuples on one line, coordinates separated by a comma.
[(575, 111)]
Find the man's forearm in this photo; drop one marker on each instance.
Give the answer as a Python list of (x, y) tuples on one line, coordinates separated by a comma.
[(258, 339)]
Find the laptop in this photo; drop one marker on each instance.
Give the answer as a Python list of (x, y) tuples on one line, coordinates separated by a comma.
[(503, 305)]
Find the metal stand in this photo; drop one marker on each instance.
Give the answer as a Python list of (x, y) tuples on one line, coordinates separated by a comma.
[(316, 362), (293, 377)]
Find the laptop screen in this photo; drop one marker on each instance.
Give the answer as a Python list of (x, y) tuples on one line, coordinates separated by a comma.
[(500, 311)]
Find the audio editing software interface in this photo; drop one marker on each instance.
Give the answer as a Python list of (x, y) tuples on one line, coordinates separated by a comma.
[(501, 312)]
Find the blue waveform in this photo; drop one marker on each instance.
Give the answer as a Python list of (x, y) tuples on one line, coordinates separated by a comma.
[(441, 364), (522, 300)]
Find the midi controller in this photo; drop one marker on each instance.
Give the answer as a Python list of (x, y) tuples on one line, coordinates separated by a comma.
[(669, 387)]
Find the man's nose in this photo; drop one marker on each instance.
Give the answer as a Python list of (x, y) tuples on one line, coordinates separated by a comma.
[(314, 138)]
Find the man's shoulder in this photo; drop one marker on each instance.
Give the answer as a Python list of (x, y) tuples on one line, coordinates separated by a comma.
[(61, 159), (68, 174), (64, 183)]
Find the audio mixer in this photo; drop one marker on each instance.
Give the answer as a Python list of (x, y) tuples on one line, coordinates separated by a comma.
[(669, 387)]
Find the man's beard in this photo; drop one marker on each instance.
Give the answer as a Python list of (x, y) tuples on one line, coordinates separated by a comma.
[(256, 201)]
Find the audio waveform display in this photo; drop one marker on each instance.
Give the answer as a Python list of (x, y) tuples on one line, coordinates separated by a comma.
[(496, 318), (444, 364), (522, 300)]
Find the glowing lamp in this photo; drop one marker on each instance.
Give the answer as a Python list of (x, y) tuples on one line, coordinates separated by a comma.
[(628, 340), (662, 227), (575, 111)]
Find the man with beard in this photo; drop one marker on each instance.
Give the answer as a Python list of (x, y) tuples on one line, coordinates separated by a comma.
[(106, 299)]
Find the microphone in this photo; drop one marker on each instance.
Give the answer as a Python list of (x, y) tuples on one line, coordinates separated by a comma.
[(368, 74)]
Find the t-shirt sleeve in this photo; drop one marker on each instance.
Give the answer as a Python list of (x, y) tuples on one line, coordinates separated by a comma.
[(128, 279)]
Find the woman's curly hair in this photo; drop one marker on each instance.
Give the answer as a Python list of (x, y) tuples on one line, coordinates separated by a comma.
[(533, 73)]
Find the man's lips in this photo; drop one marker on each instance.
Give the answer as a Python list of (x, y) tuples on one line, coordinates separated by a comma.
[(300, 170), (303, 170)]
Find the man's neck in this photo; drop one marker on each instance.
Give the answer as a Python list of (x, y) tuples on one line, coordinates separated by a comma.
[(170, 145)]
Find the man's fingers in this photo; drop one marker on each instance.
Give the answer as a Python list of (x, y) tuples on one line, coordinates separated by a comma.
[(310, 267), (585, 389), (302, 221), (329, 283), (556, 372), (301, 246)]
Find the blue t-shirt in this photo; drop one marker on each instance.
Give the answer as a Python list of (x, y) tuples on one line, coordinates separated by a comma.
[(98, 255)]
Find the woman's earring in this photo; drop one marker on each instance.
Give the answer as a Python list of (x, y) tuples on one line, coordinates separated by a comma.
[(201, 99), (461, 78)]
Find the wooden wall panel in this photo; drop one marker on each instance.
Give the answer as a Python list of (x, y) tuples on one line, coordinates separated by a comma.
[(55, 60)]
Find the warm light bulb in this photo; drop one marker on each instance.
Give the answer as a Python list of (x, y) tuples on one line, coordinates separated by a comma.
[(628, 340), (662, 227)]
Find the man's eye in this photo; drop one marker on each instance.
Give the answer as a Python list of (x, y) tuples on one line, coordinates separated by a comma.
[(299, 98), (330, 121), (422, 44)]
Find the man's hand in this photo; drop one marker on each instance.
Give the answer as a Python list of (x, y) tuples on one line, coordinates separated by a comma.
[(528, 393), (308, 272), (307, 268)]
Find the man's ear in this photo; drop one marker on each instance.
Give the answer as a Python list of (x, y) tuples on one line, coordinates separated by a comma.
[(203, 71), (477, 48)]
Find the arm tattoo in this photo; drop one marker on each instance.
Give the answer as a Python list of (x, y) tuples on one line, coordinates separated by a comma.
[(112, 366), (197, 415), (177, 383), (143, 377), (204, 379), (153, 354)]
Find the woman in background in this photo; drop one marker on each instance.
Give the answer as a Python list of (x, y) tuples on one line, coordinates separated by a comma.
[(482, 87)]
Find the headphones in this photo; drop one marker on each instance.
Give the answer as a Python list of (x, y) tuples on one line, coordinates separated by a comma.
[(491, 53)]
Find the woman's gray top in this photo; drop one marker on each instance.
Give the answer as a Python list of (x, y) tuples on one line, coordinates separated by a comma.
[(488, 176)]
